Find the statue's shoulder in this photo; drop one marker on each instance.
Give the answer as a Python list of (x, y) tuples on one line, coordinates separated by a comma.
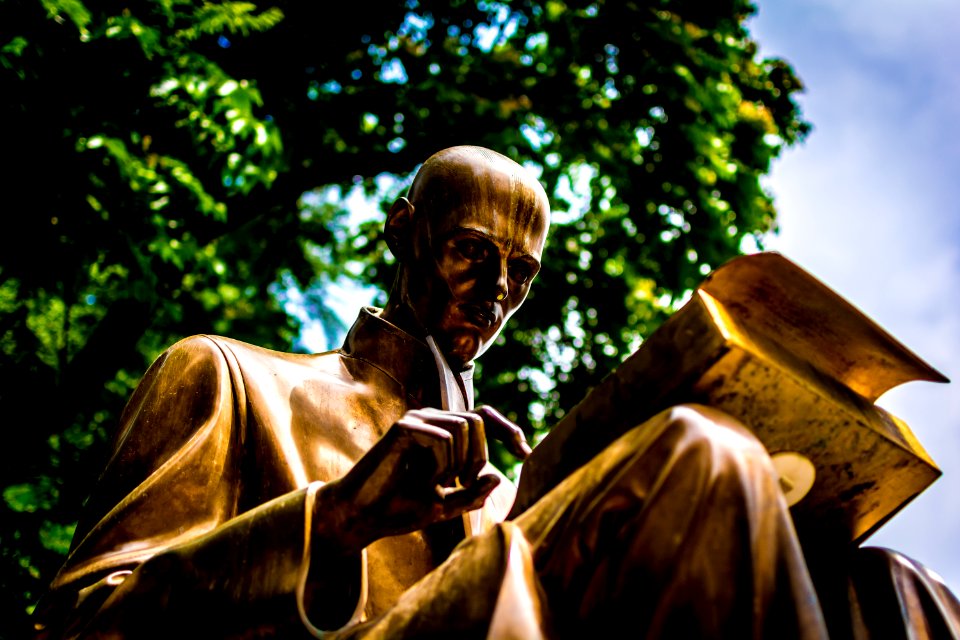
[(213, 344), (250, 358)]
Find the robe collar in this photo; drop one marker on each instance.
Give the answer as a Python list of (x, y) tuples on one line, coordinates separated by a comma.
[(403, 357)]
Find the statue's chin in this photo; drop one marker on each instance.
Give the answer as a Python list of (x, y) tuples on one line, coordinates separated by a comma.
[(460, 350)]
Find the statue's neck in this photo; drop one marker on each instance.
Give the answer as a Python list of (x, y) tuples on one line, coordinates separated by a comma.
[(402, 315)]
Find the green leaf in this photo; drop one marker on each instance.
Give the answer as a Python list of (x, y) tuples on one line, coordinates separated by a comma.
[(74, 9), (30, 497), (56, 537)]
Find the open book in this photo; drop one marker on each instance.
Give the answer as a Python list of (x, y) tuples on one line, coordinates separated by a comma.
[(769, 344)]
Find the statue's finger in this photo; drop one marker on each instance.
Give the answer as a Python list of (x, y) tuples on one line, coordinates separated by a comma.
[(499, 428), (458, 426), (437, 443), (477, 453), (469, 498)]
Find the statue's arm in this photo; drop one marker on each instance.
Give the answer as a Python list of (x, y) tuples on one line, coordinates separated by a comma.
[(163, 541)]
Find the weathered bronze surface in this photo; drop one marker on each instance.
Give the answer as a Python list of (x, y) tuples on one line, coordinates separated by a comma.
[(347, 494)]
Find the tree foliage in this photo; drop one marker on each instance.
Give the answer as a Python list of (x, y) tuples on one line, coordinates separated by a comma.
[(183, 167)]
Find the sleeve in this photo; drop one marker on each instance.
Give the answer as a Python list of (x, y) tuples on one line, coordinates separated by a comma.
[(162, 549)]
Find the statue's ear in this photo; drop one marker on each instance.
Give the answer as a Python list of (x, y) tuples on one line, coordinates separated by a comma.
[(398, 229)]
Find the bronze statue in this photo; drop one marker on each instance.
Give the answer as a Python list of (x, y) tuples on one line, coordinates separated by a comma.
[(348, 494)]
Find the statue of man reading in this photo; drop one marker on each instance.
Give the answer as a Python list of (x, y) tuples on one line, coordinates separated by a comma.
[(348, 494)]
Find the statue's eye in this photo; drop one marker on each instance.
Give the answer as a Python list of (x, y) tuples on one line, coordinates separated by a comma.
[(521, 272), (472, 249)]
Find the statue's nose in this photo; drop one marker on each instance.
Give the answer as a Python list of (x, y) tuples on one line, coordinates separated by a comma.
[(492, 282), (501, 287)]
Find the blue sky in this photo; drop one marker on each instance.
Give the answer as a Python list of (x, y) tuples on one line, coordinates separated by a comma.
[(870, 204)]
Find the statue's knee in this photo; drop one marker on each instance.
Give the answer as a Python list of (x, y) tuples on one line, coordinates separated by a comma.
[(882, 565), (710, 427), (899, 597), (698, 443)]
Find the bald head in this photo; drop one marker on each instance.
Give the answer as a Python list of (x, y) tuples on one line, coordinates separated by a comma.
[(475, 177), (469, 237)]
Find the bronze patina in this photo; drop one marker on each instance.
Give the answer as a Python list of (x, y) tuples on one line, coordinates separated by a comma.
[(348, 494)]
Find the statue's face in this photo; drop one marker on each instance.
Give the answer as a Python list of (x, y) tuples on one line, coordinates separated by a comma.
[(478, 257)]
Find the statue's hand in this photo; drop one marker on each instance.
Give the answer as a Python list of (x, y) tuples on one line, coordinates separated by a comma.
[(425, 469)]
